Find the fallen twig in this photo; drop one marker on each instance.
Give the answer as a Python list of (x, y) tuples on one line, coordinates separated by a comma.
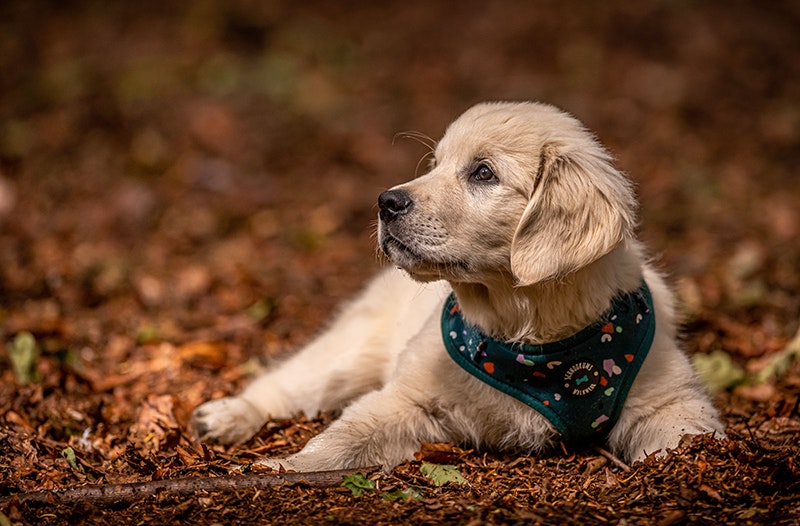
[(614, 460), (117, 493)]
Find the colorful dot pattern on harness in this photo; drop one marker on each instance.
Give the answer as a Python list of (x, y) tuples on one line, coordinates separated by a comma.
[(580, 383)]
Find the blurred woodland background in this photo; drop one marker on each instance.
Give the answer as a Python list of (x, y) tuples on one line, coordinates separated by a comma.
[(187, 187)]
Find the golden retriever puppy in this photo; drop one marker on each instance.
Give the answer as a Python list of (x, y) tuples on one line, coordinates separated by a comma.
[(524, 313)]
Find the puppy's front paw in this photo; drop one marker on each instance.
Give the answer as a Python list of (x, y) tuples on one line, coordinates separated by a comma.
[(300, 463), (278, 464), (227, 420)]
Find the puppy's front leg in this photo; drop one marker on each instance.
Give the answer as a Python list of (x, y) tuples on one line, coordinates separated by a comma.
[(351, 358), (310, 381), (666, 402), (382, 428)]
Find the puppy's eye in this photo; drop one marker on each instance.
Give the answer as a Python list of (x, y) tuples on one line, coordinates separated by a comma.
[(483, 174)]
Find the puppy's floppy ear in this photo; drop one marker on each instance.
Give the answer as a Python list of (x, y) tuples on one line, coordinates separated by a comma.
[(580, 210)]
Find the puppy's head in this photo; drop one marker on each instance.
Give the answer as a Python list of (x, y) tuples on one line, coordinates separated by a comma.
[(515, 189)]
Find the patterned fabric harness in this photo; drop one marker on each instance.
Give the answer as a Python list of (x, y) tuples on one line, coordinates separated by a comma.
[(580, 383)]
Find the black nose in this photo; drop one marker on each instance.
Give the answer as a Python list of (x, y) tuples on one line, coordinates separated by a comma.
[(394, 203)]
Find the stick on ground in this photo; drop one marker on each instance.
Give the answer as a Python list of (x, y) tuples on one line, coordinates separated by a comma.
[(117, 493), (614, 460)]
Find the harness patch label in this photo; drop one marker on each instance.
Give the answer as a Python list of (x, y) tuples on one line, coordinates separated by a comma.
[(581, 378)]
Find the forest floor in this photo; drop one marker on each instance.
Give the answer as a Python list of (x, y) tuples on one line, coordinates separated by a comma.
[(188, 191)]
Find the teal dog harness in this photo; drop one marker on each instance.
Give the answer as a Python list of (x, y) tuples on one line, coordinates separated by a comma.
[(580, 383)]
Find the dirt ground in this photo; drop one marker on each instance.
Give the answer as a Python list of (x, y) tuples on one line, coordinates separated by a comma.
[(187, 191)]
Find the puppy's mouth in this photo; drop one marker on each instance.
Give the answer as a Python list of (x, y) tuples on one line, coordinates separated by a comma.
[(398, 251), (413, 259)]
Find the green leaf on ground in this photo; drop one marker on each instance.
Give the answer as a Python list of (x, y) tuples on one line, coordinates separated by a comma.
[(357, 483), (261, 310), (441, 474), (69, 454), (23, 354), (409, 493), (780, 362), (717, 370), (147, 334)]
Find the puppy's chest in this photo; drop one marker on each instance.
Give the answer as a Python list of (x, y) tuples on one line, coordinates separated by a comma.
[(579, 384)]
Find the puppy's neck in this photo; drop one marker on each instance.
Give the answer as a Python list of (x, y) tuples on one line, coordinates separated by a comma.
[(555, 309)]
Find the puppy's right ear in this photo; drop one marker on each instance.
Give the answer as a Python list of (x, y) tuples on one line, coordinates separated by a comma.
[(581, 209)]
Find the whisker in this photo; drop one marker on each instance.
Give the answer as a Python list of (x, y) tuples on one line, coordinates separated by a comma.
[(422, 139), (421, 160), (416, 136), (373, 236)]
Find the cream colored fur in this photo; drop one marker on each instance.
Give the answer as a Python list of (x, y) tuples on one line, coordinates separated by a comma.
[(534, 253)]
